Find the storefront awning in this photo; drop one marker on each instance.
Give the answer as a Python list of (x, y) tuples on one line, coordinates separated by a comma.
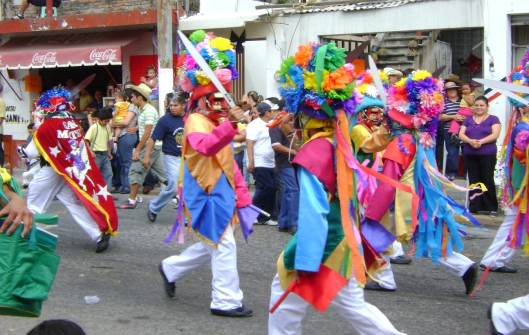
[(63, 50)]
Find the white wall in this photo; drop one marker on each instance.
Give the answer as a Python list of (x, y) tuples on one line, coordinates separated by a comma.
[(227, 6), (497, 30), (255, 56), (21, 109)]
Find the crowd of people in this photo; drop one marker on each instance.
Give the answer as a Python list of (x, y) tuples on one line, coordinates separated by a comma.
[(348, 167)]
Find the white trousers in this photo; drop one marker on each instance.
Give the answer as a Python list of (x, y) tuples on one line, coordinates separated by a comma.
[(455, 263), (511, 315), (397, 249), (363, 317), (384, 277), (499, 253), (45, 186), (28, 175), (226, 293)]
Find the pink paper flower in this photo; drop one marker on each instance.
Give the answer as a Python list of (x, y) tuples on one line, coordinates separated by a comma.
[(521, 140), (224, 75), (186, 84)]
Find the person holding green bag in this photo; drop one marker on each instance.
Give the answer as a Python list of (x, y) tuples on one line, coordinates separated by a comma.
[(29, 263), (15, 209)]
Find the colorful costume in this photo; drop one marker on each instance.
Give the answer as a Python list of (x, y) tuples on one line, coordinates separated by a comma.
[(514, 231), (323, 263), (414, 105), (214, 193), (69, 172)]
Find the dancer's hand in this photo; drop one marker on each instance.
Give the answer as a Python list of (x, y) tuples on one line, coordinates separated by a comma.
[(17, 214), (146, 161), (135, 155), (235, 114)]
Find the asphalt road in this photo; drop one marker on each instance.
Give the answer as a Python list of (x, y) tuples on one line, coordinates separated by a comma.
[(125, 278)]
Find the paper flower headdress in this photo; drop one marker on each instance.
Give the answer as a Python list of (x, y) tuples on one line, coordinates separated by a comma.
[(365, 94), (316, 80), (220, 55), (520, 76), (415, 102)]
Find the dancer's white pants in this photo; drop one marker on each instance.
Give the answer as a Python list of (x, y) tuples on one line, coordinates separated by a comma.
[(363, 317), (45, 186), (455, 263), (397, 249), (512, 315), (226, 293), (499, 253)]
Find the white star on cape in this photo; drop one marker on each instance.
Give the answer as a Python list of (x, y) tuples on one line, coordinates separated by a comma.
[(54, 151), (103, 192)]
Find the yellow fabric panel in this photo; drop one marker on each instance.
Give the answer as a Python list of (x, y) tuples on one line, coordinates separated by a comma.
[(403, 211), (206, 170), (359, 134)]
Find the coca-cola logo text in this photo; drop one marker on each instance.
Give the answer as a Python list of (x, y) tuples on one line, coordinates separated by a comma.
[(106, 55), (44, 58)]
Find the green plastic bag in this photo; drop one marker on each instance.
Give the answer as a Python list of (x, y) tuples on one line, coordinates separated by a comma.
[(27, 269)]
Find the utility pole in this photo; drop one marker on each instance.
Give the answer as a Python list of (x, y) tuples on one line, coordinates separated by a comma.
[(164, 13)]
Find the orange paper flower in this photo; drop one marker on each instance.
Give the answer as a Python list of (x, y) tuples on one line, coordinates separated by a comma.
[(337, 80), (302, 57)]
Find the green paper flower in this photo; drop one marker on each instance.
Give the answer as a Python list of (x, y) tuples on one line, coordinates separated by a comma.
[(197, 36), (334, 57)]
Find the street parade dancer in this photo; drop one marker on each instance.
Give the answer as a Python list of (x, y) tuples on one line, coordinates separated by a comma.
[(69, 171), (214, 194), (370, 136), (323, 264), (513, 233), (426, 215)]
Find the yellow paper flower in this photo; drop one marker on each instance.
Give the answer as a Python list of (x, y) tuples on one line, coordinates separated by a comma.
[(421, 74), (220, 43), (202, 78), (383, 76), (309, 80), (401, 82)]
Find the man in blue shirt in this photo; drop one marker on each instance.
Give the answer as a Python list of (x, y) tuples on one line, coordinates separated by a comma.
[(169, 130)]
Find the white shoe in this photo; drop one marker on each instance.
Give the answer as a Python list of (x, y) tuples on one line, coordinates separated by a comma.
[(271, 223), (139, 199)]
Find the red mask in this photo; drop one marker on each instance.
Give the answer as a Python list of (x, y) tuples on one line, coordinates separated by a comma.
[(372, 117)]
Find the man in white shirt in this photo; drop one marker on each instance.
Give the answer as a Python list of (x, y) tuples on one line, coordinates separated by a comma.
[(261, 161)]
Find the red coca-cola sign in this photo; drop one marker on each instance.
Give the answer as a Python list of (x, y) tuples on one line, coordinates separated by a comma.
[(44, 58), (103, 55)]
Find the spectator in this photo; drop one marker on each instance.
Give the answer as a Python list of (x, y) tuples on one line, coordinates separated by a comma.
[(39, 3), (169, 130), (57, 327), (465, 108), (2, 119), (126, 141), (261, 161), (147, 119), (81, 115), (151, 80), (98, 139), (479, 134), (393, 75), (281, 138), (452, 102)]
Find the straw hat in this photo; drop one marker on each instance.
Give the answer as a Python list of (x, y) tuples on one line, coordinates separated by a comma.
[(392, 72), (142, 89)]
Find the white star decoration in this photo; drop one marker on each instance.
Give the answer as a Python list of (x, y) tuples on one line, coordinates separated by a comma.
[(54, 151), (103, 192)]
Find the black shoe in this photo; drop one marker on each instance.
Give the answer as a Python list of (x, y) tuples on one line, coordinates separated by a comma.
[(402, 260), (493, 330), (151, 216), (283, 230), (374, 286), (168, 286), (293, 230), (501, 269), (241, 312), (103, 243), (470, 278)]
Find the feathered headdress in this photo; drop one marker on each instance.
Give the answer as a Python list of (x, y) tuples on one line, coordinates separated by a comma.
[(55, 100), (316, 81), (219, 53), (415, 102)]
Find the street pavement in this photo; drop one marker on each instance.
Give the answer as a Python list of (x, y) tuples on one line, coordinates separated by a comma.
[(429, 300)]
